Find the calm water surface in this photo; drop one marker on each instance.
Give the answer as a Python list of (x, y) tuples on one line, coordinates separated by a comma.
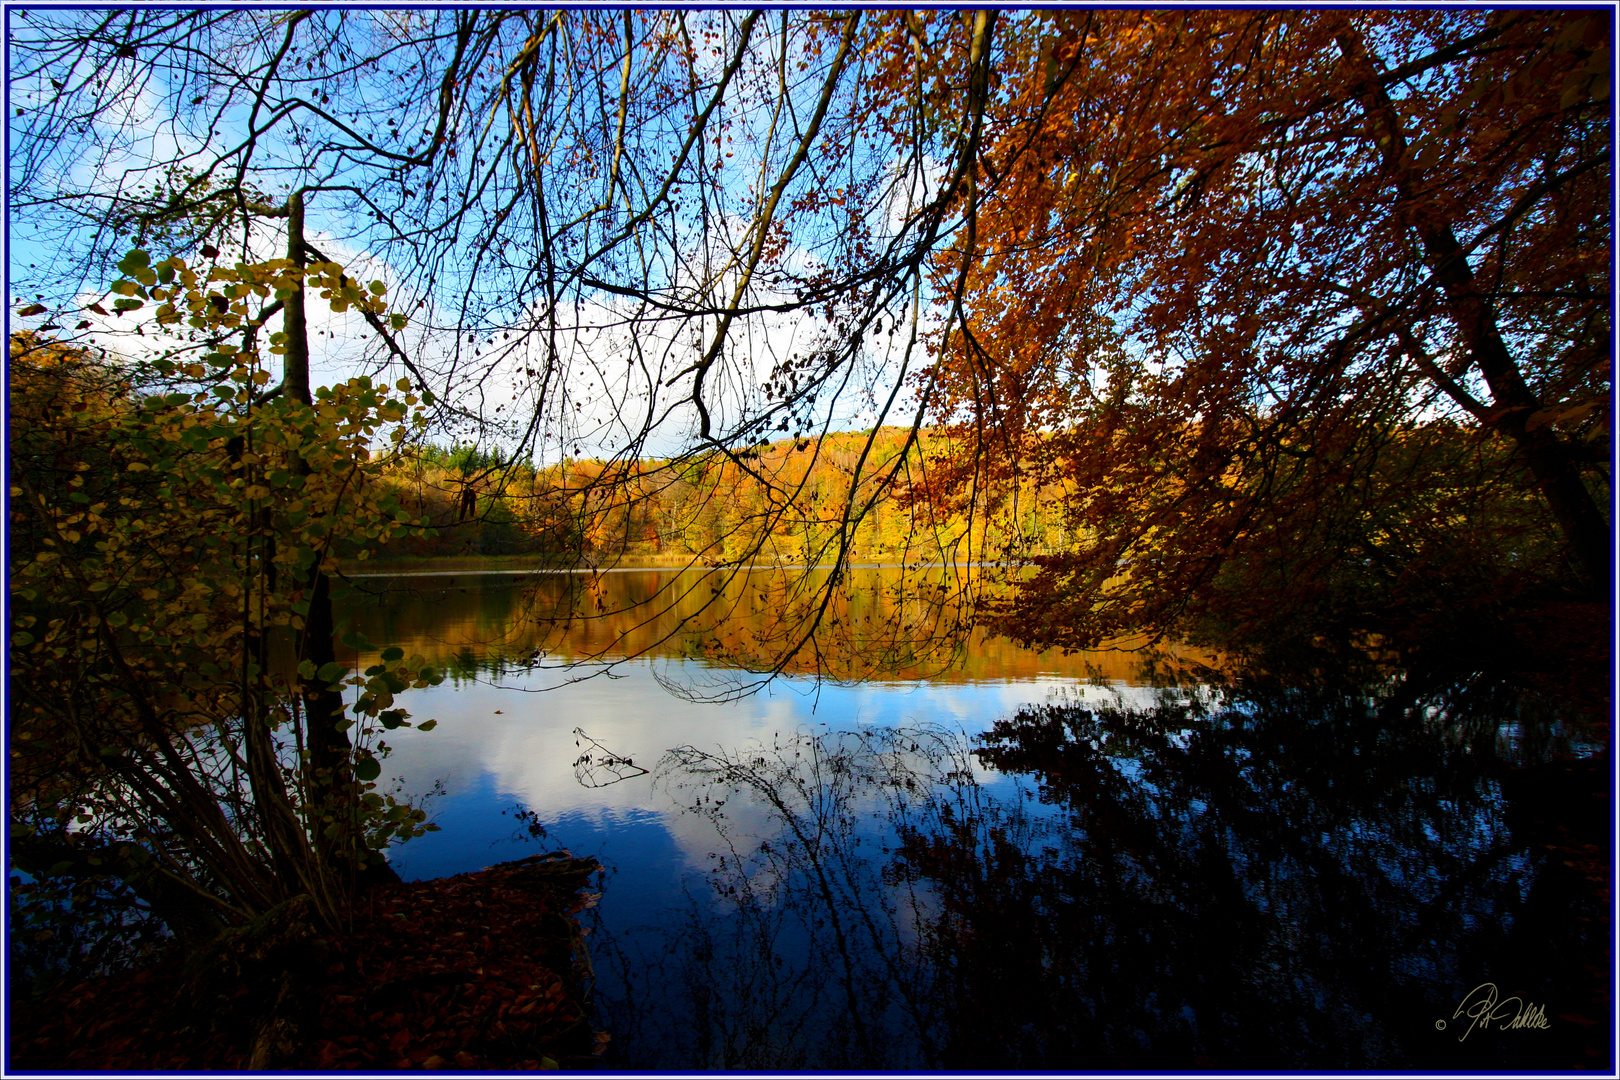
[(970, 856)]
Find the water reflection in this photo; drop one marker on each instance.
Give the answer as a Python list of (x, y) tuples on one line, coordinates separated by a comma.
[(597, 766), (935, 873), (881, 622), (1289, 880)]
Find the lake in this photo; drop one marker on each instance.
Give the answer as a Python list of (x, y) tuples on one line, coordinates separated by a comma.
[(958, 854)]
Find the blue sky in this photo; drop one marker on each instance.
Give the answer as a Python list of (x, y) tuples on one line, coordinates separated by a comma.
[(613, 373)]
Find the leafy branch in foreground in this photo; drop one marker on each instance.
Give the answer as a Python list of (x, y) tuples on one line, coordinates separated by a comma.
[(166, 552)]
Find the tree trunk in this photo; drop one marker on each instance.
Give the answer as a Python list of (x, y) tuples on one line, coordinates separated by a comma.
[(1556, 470), (329, 746)]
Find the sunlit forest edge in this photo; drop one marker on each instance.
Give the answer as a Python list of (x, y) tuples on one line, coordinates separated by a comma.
[(782, 502)]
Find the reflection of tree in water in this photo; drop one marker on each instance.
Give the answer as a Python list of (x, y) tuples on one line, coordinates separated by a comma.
[(597, 766), (1293, 879), (1269, 879), (736, 624), (802, 955)]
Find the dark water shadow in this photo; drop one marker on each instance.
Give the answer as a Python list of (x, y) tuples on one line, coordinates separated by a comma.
[(1264, 877)]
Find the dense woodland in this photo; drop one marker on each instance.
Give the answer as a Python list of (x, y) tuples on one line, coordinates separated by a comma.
[(783, 501), (1286, 333)]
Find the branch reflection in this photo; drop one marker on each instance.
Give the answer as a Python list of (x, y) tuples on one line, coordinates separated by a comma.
[(1252, 879)]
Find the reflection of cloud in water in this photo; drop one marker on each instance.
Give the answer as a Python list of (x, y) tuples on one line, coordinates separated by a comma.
[(525, 743), (1135, 879), (698, 840)]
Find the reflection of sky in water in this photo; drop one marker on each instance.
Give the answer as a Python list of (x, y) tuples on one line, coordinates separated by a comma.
[(495, 746), (498, 746), (1337, 875)]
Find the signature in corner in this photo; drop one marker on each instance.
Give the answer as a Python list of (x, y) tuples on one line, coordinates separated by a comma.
[(1483, 1007)]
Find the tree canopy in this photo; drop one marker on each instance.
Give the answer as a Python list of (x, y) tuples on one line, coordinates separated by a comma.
[(178, 729), (1289, 304), (1297, 302)]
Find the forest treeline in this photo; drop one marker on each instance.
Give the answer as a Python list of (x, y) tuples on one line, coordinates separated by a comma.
[(787, 501), (1429, 528), (1431, 522)]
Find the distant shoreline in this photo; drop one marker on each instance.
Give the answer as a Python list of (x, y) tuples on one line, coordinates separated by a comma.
[(502, 565)]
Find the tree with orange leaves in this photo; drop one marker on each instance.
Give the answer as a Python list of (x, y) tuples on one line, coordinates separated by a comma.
[(1275, 294), (1305, 305)]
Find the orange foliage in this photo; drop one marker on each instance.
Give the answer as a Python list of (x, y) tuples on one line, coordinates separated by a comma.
[(1297, 304), (793, 501)]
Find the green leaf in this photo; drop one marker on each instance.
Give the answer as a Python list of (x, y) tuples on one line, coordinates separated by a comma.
[(392, 653), (330, 672), (392, 718), (354, 639), (135, 260), (427, 725), (367, 769), (306, 670)]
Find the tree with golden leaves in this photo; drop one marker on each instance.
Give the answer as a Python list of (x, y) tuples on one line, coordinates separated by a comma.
[(1304, 306)]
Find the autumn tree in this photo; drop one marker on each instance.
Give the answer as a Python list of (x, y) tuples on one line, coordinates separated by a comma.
[(178, 725), (625, 229), (1204, 273), (1299, 303)]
